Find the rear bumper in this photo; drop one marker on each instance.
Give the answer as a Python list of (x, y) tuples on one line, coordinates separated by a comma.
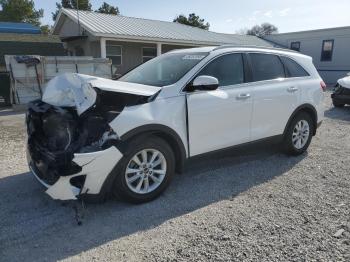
[(95, 168)]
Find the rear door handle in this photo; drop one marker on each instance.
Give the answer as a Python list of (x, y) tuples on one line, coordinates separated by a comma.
[(243, 96), (292, 89)]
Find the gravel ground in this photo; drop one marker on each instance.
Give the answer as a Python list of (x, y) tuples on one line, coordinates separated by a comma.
[(251, 204)]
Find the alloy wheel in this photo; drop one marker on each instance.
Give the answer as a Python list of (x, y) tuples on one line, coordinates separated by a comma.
[(145, 171), (301, 133)]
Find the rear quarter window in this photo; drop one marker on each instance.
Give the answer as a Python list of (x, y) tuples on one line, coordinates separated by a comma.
[(293, 69)]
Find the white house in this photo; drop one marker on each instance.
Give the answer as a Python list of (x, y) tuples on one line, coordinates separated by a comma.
[(130, 41)]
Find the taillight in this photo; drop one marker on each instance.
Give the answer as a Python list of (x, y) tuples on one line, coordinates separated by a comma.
[(323, 86)]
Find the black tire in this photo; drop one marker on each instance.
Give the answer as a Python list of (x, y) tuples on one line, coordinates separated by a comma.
[(289, 147), (337, 104), (121, 189)]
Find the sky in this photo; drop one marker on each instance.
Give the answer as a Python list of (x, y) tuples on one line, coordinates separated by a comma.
[(231, 16)]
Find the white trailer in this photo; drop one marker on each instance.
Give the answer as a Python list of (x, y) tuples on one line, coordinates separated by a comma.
[(30, 74)]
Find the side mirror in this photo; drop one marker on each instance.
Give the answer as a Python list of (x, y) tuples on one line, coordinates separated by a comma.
[(207, 83)]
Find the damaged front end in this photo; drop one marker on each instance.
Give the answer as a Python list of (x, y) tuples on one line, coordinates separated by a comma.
[(341, 93), (71, 147)]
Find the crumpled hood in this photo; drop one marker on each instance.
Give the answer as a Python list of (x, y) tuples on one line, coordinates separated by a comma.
[(345, 82), (77, 90)]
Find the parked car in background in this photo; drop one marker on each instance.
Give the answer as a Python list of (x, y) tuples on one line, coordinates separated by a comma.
[(341, 94), (89, 137)]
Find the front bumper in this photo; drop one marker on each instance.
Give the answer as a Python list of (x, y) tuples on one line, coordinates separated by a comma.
[(341, 99), (341, 95), (95, 167)]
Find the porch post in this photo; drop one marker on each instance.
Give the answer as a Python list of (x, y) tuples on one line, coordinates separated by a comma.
[(159, 49), (103, 47)]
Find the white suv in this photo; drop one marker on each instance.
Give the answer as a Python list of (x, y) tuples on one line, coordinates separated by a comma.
[(89, 136)]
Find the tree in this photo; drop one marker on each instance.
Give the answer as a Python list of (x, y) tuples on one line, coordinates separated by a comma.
[(263, 29), (72, 4), (45, 29), (108, 9), (242, 31), (20, 11), (192, 20)]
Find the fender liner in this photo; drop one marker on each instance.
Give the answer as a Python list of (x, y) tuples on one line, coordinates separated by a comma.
[(303, 108), (168, 135)]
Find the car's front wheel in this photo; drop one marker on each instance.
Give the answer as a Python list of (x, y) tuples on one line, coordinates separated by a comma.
[(299, 134), (145, 170)]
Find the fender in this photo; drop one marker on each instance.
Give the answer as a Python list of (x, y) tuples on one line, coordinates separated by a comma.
[(162, 131), (304, 107), (167, 134)]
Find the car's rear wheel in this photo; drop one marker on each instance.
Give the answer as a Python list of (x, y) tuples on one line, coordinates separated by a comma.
[(299, 134), (145, 170)]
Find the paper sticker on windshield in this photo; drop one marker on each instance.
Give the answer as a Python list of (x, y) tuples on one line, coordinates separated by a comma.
[(193, 57)]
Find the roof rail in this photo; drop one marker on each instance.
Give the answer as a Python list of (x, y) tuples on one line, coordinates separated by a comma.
[(254, 46)]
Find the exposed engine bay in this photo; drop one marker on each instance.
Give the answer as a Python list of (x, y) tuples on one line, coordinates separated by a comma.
[(57, 135)]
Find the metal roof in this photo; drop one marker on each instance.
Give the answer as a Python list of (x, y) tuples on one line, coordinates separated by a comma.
[(123, 27), (19, 28), (313, 31)]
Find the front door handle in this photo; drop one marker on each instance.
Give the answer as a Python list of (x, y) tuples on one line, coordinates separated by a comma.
[(243, 96), (292, 89)]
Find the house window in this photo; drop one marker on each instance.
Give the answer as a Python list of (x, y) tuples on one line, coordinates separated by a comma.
[(148, 53), (327, 50), (295, 46), (114, 52)]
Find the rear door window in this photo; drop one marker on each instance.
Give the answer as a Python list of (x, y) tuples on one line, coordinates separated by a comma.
[(293, 69), (266, 67), (228, 69)]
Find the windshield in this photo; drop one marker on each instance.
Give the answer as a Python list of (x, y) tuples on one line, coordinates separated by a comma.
[(164, 70)]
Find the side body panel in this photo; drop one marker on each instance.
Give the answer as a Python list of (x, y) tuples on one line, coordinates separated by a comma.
[(311, 93), (276, 100), (274, 103), (219, 119), (170, 112)]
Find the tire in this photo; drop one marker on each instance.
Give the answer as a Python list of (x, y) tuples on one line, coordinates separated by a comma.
[(157, 183), (337, 104), (301, 121)]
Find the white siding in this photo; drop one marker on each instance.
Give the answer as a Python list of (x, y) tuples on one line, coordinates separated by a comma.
[(311, 44), (69, 28)]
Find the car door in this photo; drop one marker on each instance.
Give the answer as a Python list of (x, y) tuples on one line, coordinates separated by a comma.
[(220, 118), (275, 96)]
